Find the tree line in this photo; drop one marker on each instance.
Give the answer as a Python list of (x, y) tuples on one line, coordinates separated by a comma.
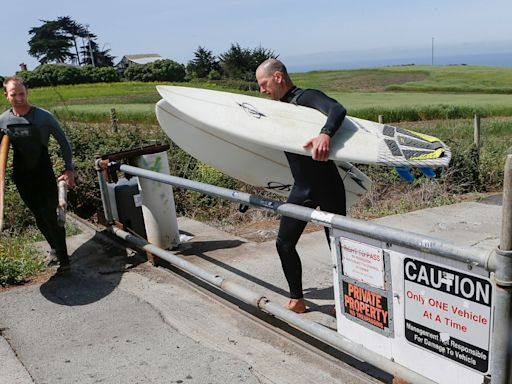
[(65, 41), (236, 63)]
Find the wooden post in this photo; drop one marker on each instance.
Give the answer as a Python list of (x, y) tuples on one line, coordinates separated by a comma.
[(477, 130), (381, 119), (113, 118)]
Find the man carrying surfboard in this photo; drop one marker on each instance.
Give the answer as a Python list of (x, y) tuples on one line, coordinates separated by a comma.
[(317, 182), (29, 128)]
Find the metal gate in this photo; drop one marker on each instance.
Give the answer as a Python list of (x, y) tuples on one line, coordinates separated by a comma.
[(421, 308)]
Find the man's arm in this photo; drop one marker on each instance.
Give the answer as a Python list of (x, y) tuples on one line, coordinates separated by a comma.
[(320, 146), (69, 172), (334, 111)]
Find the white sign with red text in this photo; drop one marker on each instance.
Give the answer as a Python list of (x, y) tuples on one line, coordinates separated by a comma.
[(363, 262)]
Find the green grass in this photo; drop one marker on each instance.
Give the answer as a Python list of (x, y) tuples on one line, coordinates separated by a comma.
[(417, 92), (495, 145), (435, 100), (385, 100), (18, 259), (423, 78), (144, 113), (399, 93), (98, 93), (457, 78), (394, 107)]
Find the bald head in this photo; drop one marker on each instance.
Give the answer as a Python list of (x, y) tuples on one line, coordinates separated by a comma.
[(269, 66), (273, 79)]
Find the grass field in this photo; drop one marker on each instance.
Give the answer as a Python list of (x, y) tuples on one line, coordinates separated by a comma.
[(453, 78), (352, 101), (439, 101), (429, 92)]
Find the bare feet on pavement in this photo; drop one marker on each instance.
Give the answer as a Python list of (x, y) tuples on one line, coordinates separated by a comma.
[(296, 305)]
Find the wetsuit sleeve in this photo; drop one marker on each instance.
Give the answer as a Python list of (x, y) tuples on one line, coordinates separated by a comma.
[(65, 148), (334, 111)]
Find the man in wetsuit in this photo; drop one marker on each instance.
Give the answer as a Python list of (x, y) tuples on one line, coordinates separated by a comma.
[(317, 182), (30, 128)]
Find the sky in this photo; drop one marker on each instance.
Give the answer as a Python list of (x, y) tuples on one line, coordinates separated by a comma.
[(306, 35)]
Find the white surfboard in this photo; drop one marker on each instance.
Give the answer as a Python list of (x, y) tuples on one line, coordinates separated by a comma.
[(247, 161), (287, 127)]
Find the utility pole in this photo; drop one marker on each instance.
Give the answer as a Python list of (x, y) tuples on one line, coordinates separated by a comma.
[(432, 51)]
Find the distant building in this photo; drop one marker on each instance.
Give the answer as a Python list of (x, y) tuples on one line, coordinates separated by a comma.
[(142, 58)]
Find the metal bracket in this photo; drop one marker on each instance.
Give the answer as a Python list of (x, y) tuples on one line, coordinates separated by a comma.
[(503, 274), (112, 169)]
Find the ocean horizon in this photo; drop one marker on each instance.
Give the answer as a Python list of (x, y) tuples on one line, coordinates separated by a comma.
[(330, 61)]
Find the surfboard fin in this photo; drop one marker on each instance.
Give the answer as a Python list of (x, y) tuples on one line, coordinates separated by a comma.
[(405, 173), (427, 171)]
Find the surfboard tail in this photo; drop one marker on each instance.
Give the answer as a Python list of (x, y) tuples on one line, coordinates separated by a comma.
[(403, 147)]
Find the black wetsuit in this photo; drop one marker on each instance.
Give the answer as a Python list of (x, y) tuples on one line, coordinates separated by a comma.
[(316, 184), (33, 170)]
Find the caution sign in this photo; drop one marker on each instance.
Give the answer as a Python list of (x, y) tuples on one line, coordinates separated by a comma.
[(448, 312), (366, 305)]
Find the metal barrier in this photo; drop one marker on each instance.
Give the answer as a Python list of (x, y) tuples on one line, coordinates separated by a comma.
[(499, 262)]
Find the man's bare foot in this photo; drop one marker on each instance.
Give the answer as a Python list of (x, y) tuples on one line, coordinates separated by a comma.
[(296, 305)]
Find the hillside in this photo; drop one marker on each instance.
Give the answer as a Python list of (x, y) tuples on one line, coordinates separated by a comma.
[(412, 78)]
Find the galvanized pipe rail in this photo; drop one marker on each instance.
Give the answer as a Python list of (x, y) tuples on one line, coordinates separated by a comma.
[(261, 302), (470, 255), (501, 368), (499, 262)]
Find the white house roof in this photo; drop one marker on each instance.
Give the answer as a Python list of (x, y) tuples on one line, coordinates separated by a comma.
[(142, 58)]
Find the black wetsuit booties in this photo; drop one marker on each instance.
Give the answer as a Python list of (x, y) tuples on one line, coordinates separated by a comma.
[(316, 184), (33, 171)]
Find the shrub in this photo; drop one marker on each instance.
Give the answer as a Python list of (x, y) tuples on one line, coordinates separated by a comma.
[(64, 74), (85, 199), (160, 70), (464, 174), (54, 74), (18, 261), (93, 74), (214, 75), (427, 112)]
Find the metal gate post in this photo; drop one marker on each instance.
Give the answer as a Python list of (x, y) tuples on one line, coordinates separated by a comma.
[(158, 206), (107, 209), (501, 367)]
